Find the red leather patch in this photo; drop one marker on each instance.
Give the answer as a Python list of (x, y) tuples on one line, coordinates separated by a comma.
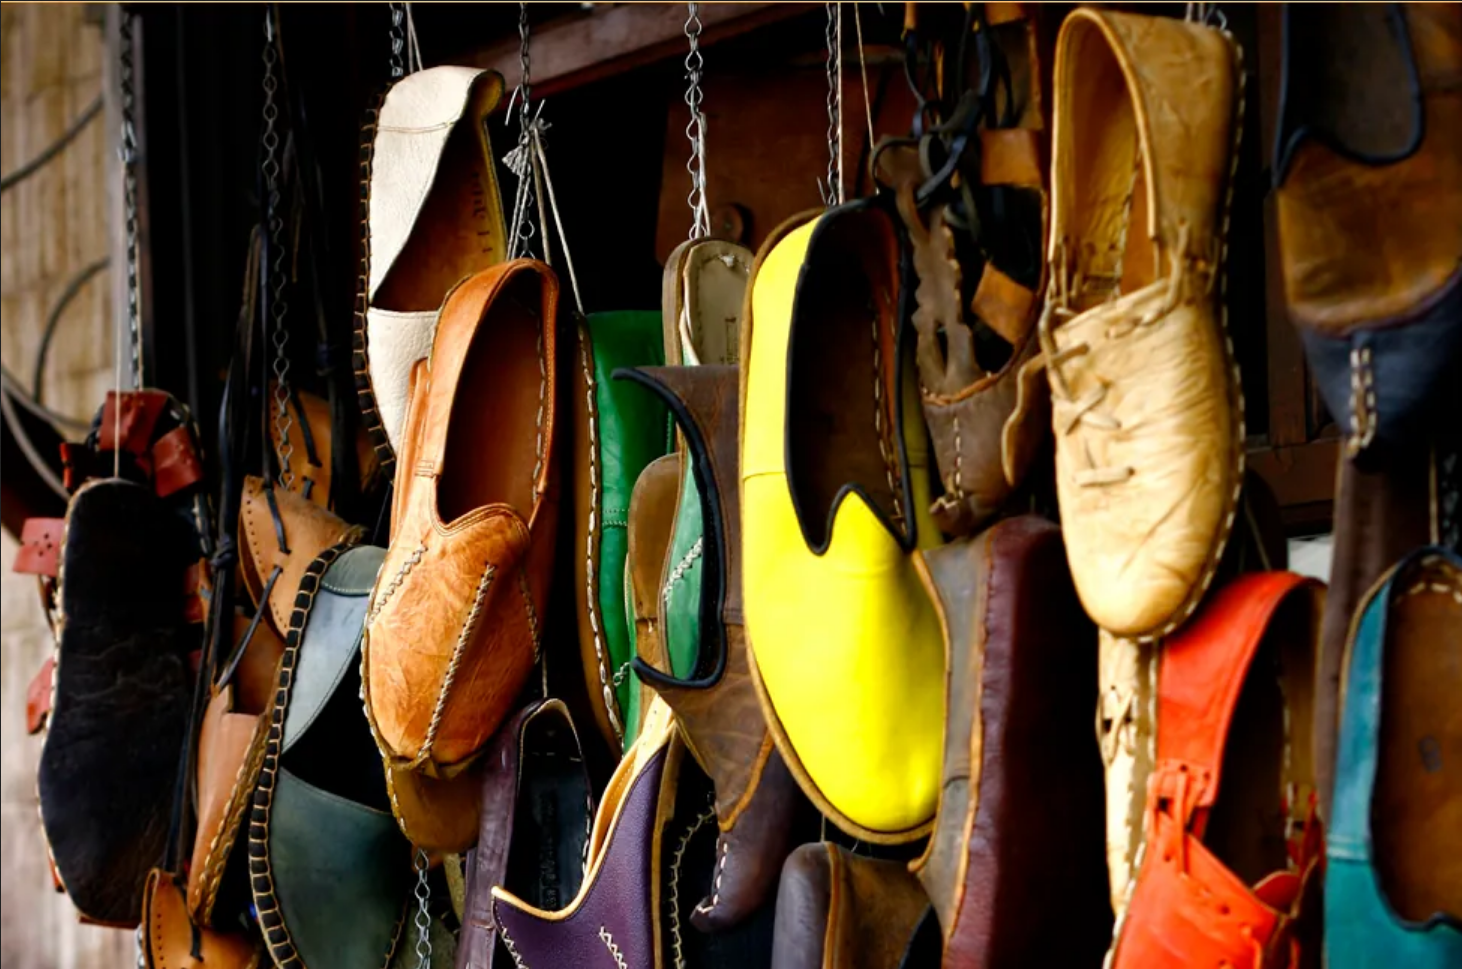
[(140, 411), (175, 465), (40, 547), (38, 697)]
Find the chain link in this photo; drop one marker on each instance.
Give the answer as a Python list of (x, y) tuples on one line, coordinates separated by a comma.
[(423, 913), (398, 40), (519, 161), (832, 190), (125, 79), (695, 129), (279, 334)]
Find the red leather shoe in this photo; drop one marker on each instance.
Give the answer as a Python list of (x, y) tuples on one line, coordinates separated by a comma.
[(1235, 691)]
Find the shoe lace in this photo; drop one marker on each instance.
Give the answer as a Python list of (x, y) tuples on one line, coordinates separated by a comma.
[(1071, 410)]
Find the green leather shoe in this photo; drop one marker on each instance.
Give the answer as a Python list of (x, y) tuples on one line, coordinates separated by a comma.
[(618, 430), (1393, 884), (329, 870)]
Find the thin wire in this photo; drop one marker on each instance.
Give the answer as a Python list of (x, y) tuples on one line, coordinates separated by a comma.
[(278, 308), (22, 439), (519, 161), (695, 129), (832, 189), (129, 211), (413, 45), (72, 290), (17, 391), (863, 71), (55, 148), (563, 241)]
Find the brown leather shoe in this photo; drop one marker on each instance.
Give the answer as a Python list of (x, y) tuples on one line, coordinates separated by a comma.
[(170, 940), (453, 625), (1022, 671), (716, 704), (838, 910), (651, 524)]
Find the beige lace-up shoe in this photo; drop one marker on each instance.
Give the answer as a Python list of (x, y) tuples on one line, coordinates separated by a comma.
[(1146, 404)]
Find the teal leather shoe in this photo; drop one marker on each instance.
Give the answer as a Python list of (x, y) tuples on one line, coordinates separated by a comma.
[(618, 430), (1398, 776)]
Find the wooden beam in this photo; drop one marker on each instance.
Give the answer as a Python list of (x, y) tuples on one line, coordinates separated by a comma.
[(578, 49)]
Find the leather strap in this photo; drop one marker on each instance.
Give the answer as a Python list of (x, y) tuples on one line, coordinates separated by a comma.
[(1003, 304), (40, 547), (1011, 156), (140, 411)]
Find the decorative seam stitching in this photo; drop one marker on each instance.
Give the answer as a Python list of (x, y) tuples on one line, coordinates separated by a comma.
[(883, 451), (683, 566), (691, 830), (502, 930), (532, 612), (468, 626), (261, 875), (611, 705), (608, 941), (1362, 402), (232, 818), (542, 395), (360, 342), (716, 886), (411, 562)]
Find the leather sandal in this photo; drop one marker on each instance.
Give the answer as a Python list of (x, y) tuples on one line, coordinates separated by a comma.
[(615, 917), (1147, 406), (834, 500), (122, 686), (431, 216), (617, 433), (838, 910), (537, 810), (714, 700), (455, 618), (1021, 674), (329, 872), (1231, 872), (1393, 881)]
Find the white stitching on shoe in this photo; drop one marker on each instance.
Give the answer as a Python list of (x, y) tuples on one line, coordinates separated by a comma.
[(473, 615), (676, 943), (411, 562), (716, 886), (883, 449), (1362, 402), (608, 941)]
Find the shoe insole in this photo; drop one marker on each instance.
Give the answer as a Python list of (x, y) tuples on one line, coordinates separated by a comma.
[(495, 439), (1416, 811), (714, 290), (455, 233), (1246, 827), (839, 410), (551, 821)]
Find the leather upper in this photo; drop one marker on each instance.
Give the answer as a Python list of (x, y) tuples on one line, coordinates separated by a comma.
[(844, 641), (1145, 396), (454, 620), (172, 941), (618, 431), (1189, 907), (1422, 597), (1022, 670)]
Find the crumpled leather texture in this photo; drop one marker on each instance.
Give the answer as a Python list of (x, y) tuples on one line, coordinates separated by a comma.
[(308, 529), (614, 919), (1189, 906), (1146, 402), (1021, 673), (618, 431), (1357, 250), (170, 936), (454, 620), (827, 680), (1126, 729), (121, 699), (418, 117), (838, 910)]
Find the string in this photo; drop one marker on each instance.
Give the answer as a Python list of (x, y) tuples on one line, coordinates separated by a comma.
[(863, 70)]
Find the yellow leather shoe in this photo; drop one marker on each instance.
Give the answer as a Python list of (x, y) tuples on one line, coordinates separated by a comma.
[(846, 647), (1145, 394)]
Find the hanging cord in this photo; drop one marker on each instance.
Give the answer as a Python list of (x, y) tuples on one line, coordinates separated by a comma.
[(695, 129), (541, 160), (55, 148), (863, 72), (278, 271), (832, 191), (132, 321), (519, 161), (413, 45), (72, 290)]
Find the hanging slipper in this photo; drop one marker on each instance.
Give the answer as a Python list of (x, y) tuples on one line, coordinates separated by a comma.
[(306, 447), (329, 871), (712, 693), (651, 521), (122, 695), (171, 940), (617, 432), (537, 810)]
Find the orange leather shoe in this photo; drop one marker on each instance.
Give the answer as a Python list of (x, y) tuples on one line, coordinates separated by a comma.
[(1231, 874), (452, 630)]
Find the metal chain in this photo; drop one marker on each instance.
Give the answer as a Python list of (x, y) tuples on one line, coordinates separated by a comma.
[(423, 913), (695, 129), (279, 334), (129, 193), (832, 190), (520, 160), (398, 40)]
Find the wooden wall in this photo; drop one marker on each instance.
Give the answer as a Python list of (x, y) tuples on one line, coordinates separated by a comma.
[(54, 224)]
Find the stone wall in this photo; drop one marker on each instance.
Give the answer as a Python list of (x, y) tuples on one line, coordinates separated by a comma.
[(54, 224)]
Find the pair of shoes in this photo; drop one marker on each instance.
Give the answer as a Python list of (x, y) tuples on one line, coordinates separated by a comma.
[(454, 623)]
